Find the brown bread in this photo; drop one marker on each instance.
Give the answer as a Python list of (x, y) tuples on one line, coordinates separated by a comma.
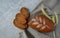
[(20, 18), (25, 12), (41, 23)]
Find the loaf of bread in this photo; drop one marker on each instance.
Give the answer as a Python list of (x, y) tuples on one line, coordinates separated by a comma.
[(20, 20), (41, 23)]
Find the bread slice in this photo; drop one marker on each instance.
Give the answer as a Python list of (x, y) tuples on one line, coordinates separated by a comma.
[(20, 19), (19, 25), (25, 12)]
